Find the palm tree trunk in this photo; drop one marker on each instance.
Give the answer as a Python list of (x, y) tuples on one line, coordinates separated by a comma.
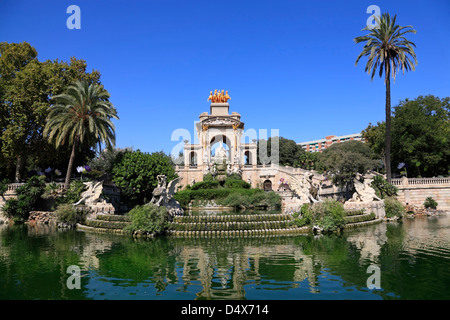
[(18, 168), (70, 166), (388, 123)]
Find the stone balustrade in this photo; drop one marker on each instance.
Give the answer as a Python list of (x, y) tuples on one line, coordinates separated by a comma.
[(420, 181)]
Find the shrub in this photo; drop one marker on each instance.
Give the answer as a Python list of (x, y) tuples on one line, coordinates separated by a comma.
[(210, 184), (329, 215), (69, 214), (208, 177), (430, 203), (393, 208), (235, 183), (28, 198), (3, 186), (136, 174), (73, 194), (148, 218), (236, 200), (383, 189), (302, 218)]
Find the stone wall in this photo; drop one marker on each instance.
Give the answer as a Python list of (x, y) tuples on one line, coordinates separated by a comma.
[(414, 191)]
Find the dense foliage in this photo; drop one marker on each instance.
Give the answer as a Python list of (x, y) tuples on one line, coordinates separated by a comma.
[(70, 215), (289, 153), (148, 218), (430, 203), (27, 86), (136, 174), (420, 137), (383, 189), (328, 215), (28, 199), (394, 208), (232, 192), (343, 161), (82, 115)]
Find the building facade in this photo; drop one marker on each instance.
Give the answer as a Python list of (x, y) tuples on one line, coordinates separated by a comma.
[(322, 144)]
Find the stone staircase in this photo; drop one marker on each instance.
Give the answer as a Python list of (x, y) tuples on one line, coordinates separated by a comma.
[(234, 225), (358, 218), (226, 225), (106, 223)]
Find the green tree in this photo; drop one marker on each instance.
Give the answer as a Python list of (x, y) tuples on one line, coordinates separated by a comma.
[(288, 151), (15, 111), (421, 135), (342, 161), (81, 116), (420, 132), (26, 87), (136, 174), (388, 51)]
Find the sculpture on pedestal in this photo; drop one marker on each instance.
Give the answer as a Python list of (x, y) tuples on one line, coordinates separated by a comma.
[(163, 195), (218, 97), (364, 190), (305, 189)]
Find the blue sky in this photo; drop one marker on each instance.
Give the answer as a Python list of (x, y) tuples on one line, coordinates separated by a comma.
[(288, 65)]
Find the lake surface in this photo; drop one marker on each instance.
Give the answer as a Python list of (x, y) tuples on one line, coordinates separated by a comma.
[(412, 258)]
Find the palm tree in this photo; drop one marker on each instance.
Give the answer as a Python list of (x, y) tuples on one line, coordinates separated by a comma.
[(388, 51), (81, 115)]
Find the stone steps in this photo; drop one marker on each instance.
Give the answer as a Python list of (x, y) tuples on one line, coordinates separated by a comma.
[(224, 225)]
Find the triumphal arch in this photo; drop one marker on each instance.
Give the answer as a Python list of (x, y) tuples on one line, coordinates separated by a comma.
[(224, 148), (220, 134)]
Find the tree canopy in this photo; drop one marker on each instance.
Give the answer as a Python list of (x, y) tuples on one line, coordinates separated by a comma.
[(136, 175), (420, 136), (26, 88), (343, 161)]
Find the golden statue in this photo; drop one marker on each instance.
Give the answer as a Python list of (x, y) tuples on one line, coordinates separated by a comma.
[(218, 96), (227, 97)]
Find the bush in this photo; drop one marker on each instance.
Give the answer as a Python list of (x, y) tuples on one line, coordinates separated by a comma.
[(328, 215), (302, 218), (430, 203), (210, 184), (28, 198), (69, 214), (136, 174), (393, 208), (3, 186), (383, 189), (236, 200), (148, 218), (235, 183), (73, 194), (227, 197)]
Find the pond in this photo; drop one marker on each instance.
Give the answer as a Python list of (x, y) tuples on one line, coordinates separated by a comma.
[(403, 260)]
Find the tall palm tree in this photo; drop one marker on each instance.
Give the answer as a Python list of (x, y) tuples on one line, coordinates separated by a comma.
[(81, 115), (388, 51)]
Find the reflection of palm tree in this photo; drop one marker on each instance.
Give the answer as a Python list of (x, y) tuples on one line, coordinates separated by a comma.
[(81, 115), (388, 51)]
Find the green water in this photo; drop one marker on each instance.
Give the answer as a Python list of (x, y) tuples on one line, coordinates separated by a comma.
[(413, 257)]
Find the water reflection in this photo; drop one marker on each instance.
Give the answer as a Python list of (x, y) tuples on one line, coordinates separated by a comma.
[(412, 255)]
